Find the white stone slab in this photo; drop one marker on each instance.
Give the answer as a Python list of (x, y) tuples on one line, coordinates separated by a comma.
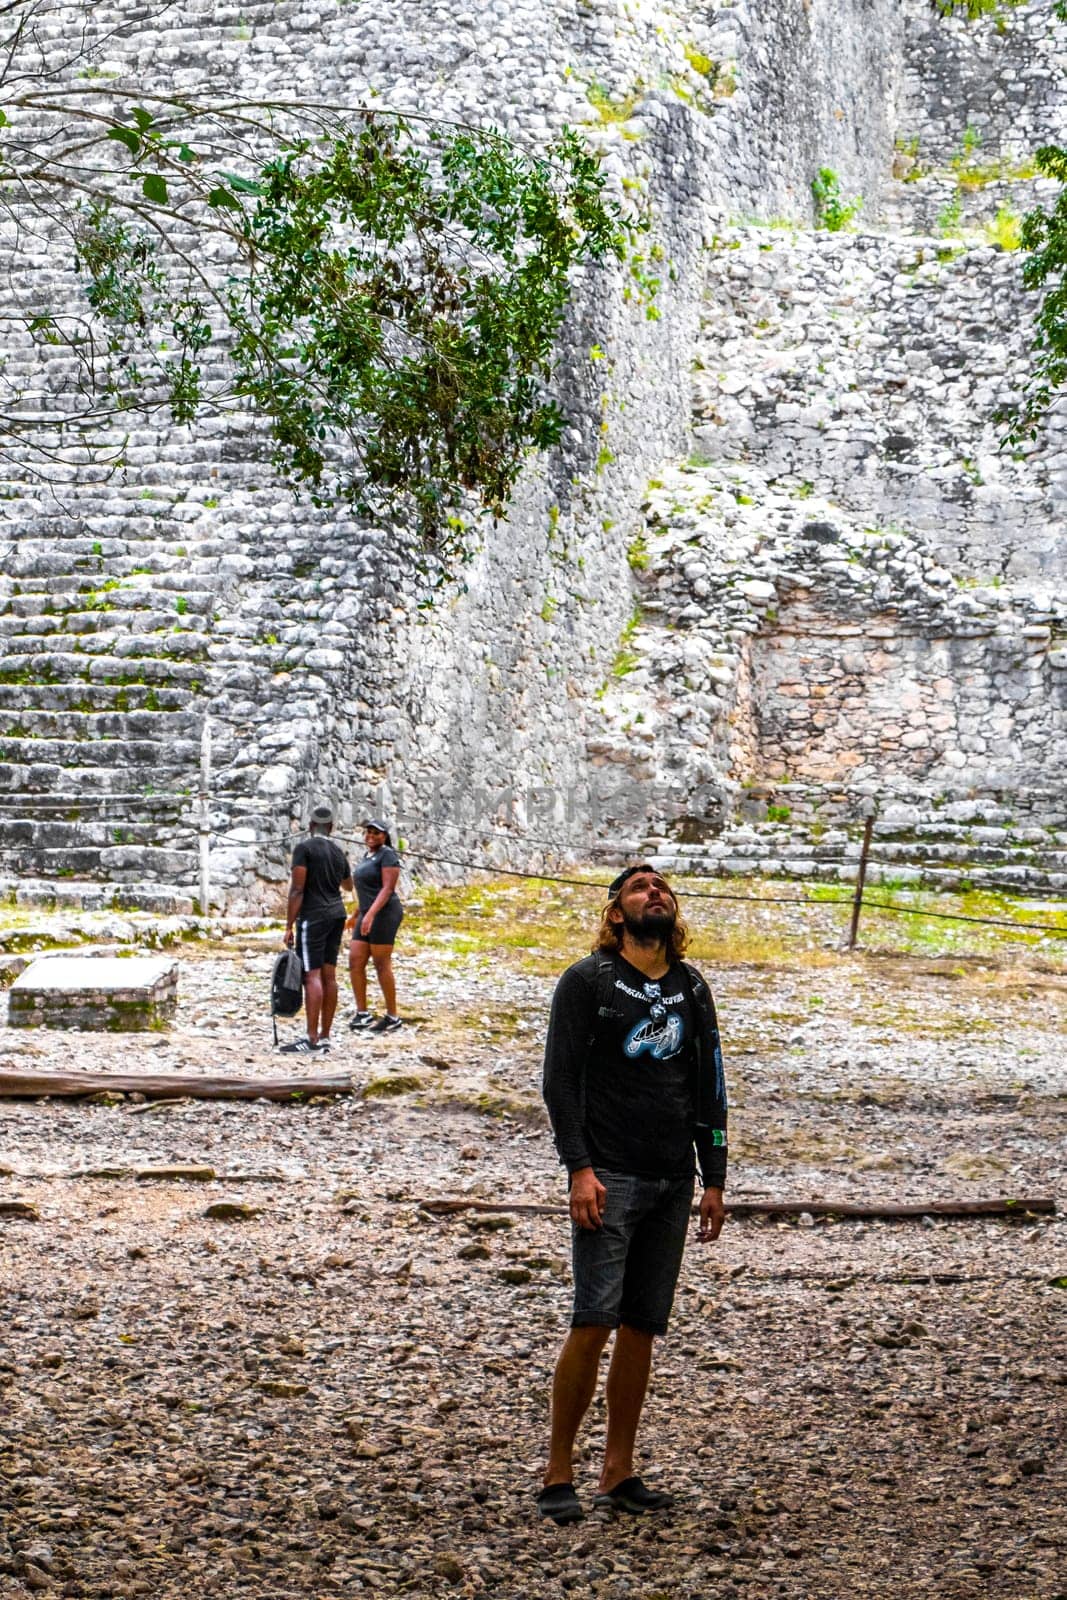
[(73, 974), (114, 994)]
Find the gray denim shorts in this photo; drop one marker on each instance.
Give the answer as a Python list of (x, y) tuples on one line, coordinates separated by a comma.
[(626, 1270)]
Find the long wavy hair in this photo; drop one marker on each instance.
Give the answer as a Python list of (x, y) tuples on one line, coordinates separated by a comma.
[(609, 934)]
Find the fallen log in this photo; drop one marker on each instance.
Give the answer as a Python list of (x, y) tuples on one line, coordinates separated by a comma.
[(1042, 1205), (165, 1085)]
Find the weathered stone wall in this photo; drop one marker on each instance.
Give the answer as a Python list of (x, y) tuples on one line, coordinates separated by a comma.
[(851, 592), (1001, 76), (839, 701), (861, 370), (871, 367), (319, 669), (815, 86), (976, 100), (782, 642)]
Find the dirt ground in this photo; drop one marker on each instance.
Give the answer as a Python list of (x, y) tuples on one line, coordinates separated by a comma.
[(332, 1392)]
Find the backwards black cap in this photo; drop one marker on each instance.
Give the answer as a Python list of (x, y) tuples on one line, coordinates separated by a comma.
[(627, 872)]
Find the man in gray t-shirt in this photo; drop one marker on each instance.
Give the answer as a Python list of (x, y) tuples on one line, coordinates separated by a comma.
[(315, 923)]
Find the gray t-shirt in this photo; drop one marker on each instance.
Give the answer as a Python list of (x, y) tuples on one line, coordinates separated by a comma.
[(369, 876)]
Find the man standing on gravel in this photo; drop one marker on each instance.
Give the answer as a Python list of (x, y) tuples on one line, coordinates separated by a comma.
[(316, 920), (633, 1082)]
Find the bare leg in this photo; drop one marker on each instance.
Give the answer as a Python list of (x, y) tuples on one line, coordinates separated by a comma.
[(573, 1387), (382, 955), (329, 1000), (313, 1001), (358, 956), (631, 1363)]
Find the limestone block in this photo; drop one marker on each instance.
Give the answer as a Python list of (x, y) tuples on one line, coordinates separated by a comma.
[(115, 994)]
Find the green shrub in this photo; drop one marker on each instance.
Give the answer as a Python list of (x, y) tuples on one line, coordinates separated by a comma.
[(974, 9), (609, 109), (948, 218), (1005, 230), (701, 63), (831, 211), (637, 554)]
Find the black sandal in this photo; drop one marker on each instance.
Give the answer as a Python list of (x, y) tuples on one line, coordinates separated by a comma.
[(633, 1495), (559, 1502)]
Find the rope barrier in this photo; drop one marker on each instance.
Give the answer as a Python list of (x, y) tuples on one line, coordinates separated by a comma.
[(769, 899), (230, 835)]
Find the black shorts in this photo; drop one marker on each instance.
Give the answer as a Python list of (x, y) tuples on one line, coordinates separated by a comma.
[(385, 926), (317, 943)]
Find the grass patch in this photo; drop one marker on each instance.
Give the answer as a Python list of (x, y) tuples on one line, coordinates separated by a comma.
[(637, 554), (1005, 230), (542, 926), (387, 1088), (610, 108), (496, 1103)]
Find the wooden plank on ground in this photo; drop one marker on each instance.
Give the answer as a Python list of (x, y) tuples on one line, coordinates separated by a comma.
[(165, 1085), (1042, 1205)]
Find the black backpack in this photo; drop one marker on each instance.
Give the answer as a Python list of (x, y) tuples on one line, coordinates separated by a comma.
[(286, 987)]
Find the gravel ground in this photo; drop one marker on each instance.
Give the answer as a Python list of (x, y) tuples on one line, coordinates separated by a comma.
[(331, 1392)]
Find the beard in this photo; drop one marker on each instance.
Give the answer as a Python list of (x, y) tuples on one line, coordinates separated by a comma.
[(652, 927)]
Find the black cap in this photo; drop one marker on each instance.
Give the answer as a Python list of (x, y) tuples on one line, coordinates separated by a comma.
[(322, 815), (627, 872), (374, 822)]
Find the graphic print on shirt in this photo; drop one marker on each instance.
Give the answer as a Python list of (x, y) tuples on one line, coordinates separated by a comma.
[(660, 1033)]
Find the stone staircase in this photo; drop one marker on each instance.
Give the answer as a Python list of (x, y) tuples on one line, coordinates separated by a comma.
[(994, 843), (104, 662)]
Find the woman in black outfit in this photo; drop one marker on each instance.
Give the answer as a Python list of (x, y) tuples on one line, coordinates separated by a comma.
[(374, 927)]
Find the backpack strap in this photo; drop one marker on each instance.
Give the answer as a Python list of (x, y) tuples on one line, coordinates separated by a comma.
[(698, 990), (603, 990), (699, 996)]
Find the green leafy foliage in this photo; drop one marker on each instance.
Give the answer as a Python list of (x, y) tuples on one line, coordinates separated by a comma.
[(1044, 237), (384, 291), (637, 553), (950, 216), (972, 10), (1005, 230), (609, 107), (831, 210), (700, 62)]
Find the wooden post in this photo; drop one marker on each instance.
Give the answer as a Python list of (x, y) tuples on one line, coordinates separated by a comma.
[(857, 899), (205, 819)]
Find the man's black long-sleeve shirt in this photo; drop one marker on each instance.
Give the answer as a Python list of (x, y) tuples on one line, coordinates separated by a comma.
[(632, 1085)]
